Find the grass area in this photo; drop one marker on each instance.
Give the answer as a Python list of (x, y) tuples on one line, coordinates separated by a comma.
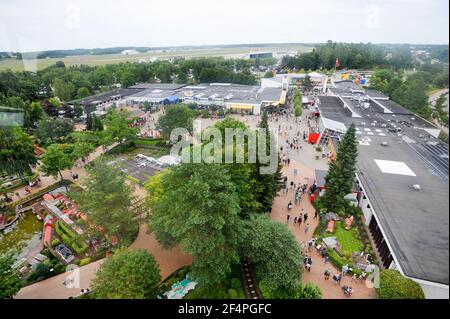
[(348, 239), (91, 60)]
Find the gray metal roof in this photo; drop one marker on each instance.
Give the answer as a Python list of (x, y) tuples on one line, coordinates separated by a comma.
[(157, 86), (416, 222)]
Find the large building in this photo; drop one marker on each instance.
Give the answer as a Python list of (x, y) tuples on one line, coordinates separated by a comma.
[(402, 175), (239, 98), (260, 55)]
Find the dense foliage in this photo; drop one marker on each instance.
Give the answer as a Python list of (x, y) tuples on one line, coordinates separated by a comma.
[(274, 251), (16, 151), (10, 282), (411, 91), (199, 211), (340, 176), (107, 200), (127, 275), (176, 116), (394, 286)]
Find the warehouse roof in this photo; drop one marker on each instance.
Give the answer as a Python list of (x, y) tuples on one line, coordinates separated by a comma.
[(415, 221)]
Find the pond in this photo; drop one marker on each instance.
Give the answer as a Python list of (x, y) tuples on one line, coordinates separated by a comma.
[(23, 237)]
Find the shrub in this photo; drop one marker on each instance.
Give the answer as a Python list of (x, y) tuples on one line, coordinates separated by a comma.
[(85, 261), (310, 291), (235, 283), (232, 294), (66, 239), (394, 286), (55, 242), (339, 261)]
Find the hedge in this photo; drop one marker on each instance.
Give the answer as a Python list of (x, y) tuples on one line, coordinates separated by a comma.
[(134, 179), (394, 286), (339, 262), (85, 261), (70, 238), (55, 242)]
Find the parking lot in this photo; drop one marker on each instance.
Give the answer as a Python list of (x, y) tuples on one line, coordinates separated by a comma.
[(137, 168)]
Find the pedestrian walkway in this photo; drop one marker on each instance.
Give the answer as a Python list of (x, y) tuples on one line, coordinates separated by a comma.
[(316, 275)]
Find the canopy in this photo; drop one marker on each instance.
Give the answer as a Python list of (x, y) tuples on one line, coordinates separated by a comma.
[(241, 106), (172, 98), (283, 97)]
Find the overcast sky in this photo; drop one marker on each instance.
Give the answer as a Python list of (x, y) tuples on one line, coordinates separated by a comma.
[(29, 25)]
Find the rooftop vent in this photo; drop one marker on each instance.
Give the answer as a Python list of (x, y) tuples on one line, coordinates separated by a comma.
[(417, 187), (384, 143)]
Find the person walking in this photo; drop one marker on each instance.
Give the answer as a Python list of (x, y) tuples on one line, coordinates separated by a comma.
[(327, 274), (289, 206), (306, 228), (339, 278), (316, 214), (288, 217), (299, 220), (305, 217), (295, 220)]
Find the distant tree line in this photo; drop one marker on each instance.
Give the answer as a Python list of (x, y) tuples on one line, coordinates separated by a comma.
[(351, 56)]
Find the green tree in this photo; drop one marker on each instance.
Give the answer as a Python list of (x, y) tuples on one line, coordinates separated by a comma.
[(340, 176), (107, 200), (16, 151), (82, 149), (269, 184), (78, 110), (439, 112), (176, 116), (298, 111), (97, 124), (198, 209), (309, 291), (55, 160), (127, 79), (54, 101), (33, 113), (117, 126), (127, 275), (268, 74), (10, 282), (412, 94), (381, 79), (83, 92), (51, 130), (274, 251), (307, 84), (394, 286), (63, 89)]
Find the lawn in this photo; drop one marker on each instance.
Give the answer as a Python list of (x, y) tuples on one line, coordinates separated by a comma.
[(348, 239)]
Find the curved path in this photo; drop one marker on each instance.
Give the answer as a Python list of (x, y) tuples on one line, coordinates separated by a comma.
[(53, 288)]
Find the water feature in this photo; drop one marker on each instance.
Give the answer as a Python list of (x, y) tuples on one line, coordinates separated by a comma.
[(23, 235)]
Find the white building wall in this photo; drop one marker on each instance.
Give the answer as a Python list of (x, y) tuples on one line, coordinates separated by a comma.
[(433, 290)]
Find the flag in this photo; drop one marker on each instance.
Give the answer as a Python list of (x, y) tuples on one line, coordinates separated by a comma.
[(337, 63)]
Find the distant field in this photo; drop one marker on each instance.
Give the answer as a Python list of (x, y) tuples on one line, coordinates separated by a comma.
[(232, 52)]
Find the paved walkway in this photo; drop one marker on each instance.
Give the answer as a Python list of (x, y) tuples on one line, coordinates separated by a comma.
[(279, 213)]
